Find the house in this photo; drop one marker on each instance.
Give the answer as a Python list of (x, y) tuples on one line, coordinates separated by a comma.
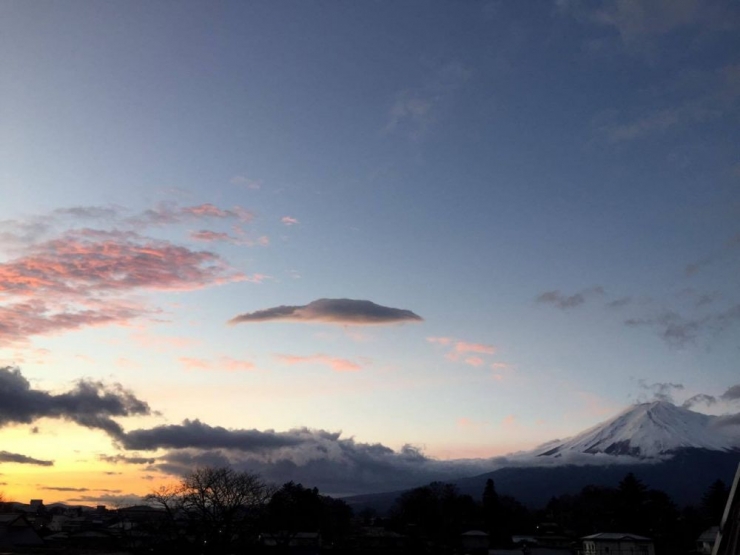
[(17, 531), (376, 539), (705, 542), (474, 540), (608, 543), (298, 540)]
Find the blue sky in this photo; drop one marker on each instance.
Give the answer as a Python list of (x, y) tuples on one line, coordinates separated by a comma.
[(553, 188)]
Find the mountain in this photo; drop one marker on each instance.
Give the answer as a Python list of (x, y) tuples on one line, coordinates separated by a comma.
[(648, 430), (670, 448)]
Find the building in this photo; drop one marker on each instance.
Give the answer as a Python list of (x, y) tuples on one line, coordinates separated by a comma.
[(608, 543), (17, 531)]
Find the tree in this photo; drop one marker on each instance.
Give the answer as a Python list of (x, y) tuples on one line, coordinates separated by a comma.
[(713, 502), (218, 504), (436, 511), (294, 508), (492, 515)]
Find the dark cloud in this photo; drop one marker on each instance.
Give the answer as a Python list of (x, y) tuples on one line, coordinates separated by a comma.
[(727, 420), (90, 212), (88, 403), (62, 488), (336, 311), (732, 393), (678, 330), (560, 300), (194, 433), (115, 500), (619, 303), (319, 457), (699, 399), (660, 391), (126, 459), (7, 457), (334, 465)]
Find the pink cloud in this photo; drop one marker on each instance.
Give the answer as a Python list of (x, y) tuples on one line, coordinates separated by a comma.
[(223, 364), (440, 340), (510, 421), (336, 364), (83, 278), (192, 364), (464, 347), (474, 361), (501, 366), (169, 213), (460, 348), (162, 342), (211, 236), (252, 184), (470, 424), (288, 220)]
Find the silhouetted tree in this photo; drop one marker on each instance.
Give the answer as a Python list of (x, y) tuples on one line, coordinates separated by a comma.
[(630, 505), (436, 511), (218, 505), (713, 502), (294, 508)]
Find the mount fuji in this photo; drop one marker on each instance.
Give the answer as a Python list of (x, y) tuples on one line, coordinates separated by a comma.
[(649, 430), (668, 447)]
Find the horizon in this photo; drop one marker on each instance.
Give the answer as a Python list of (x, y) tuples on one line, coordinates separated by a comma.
[(356, 244)]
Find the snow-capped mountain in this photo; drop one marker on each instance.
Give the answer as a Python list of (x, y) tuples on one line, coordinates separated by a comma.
[(648, 430)]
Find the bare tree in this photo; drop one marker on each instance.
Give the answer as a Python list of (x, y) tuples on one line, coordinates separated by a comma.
[(218, 504)]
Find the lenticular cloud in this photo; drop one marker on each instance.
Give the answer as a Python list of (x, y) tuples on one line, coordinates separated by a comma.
[(331, 311)]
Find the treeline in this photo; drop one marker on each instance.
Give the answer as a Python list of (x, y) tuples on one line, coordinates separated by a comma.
[(221, 510), (440, 513), (218, 510)]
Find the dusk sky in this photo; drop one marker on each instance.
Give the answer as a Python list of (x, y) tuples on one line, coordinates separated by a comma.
[(349, 242)]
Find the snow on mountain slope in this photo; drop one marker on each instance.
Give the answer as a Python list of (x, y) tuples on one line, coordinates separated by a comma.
[(647, 430)]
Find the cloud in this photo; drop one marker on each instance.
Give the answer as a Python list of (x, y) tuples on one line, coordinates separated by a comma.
[(7, 457), (333, 311), (336, 364), (699, 99), (194, 433), (459, 349), (415, 110), (62, 488), (84, 277), (660, 391), (88, 403), (732, 393), (727, 250), (727, 420), (636, 20), (127, 459), (334, 464), (640, 24), (209, 236), (224, 364), (559, 300), (699, 399), (441, 340), (678, 330), (288, 220), (251, 184), (474, 361), (167, 214), (464, 347), (123, 500)]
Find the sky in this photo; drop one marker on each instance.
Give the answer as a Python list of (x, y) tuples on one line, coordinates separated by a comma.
[(356, 244)]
